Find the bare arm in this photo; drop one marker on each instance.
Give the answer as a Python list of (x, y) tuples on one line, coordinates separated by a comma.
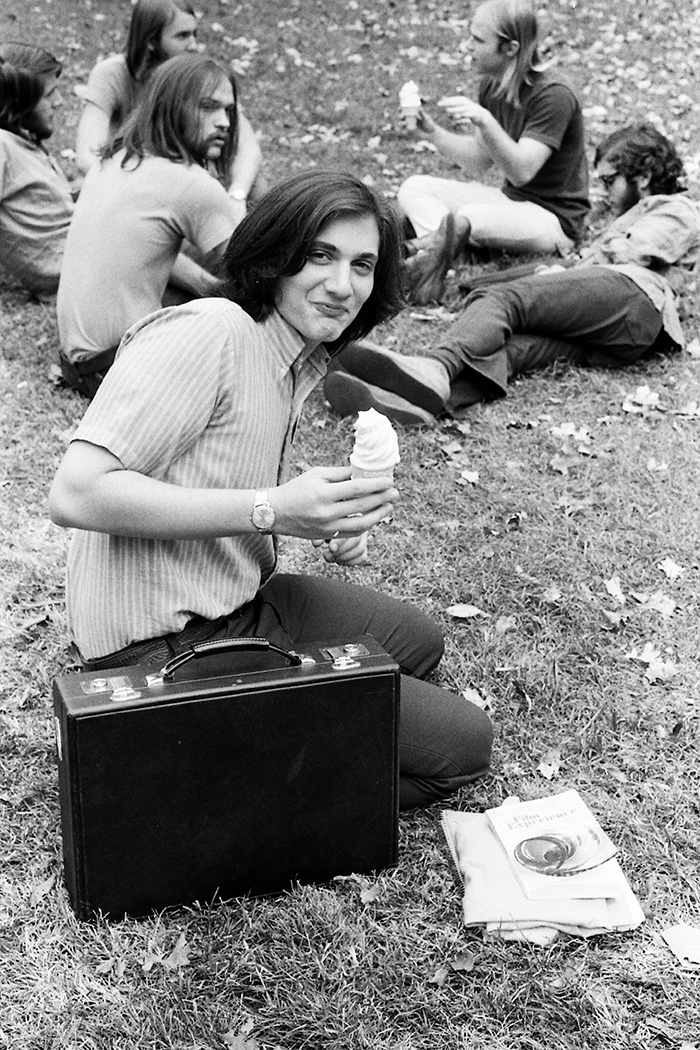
[(518, 161), (248, 159), (465, 150), (199, 279), (93, 490), (92, 135)]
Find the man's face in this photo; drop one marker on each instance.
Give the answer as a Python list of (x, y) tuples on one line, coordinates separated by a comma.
[(335, 282), (622, 192), (213, 121), (179, 36), (488, 56), (39, 122)]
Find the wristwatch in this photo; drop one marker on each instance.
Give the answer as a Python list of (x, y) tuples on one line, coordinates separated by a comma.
[(263, 516)]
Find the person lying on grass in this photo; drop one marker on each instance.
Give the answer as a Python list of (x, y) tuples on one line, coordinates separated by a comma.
[(611, 308), (150, 193), (173, 480), (527, 126), (36, 198)]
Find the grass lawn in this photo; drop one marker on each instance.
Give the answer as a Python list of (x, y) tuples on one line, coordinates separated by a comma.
[(587, 494)]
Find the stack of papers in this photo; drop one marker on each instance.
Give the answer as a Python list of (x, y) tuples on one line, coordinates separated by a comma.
[(533, 870)]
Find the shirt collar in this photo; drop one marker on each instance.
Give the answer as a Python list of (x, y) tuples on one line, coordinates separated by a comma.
[(289, 345)]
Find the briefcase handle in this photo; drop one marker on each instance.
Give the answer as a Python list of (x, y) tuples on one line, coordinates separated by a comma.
[(226, 645)]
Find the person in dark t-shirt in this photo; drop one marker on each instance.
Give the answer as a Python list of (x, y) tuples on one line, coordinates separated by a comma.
[(528, 125)]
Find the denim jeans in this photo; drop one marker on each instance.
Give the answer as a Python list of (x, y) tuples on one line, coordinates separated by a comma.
[(444, 740), (588, 314)]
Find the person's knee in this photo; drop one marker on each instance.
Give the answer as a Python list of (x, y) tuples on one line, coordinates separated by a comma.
[(414, 185)]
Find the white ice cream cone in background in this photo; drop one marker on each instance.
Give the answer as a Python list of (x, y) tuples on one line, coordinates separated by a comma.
[(376, 449), (410, 102)]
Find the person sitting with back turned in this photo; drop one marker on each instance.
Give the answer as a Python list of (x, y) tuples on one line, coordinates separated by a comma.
[(528, 126), (158, 30), (174, 479), (150, 193), (36, 200), (610, 309)]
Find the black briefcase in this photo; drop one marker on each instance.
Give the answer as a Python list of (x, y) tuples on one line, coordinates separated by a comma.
[(176, 788)]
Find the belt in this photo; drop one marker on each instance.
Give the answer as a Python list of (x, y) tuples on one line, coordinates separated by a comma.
[(152, 650), (97, 363)]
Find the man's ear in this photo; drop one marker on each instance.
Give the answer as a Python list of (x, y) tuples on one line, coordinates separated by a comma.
[(642, 182), (510, 48)]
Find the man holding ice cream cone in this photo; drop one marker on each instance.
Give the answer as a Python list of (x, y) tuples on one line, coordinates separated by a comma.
[(527, 125)]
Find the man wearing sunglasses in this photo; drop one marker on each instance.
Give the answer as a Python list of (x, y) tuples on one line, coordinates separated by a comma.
[(613, 306)]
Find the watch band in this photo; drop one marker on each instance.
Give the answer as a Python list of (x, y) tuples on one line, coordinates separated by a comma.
[(263, 514)]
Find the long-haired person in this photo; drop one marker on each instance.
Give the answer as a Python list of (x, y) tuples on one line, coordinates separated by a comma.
[(159, 30), (527, 125), (149, 195), (36, 202), (175, 485)]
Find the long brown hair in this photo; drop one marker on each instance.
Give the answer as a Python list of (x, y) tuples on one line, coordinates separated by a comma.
[(274, 240), (162, 123), (148, 20), (24, 70), (515, 22)]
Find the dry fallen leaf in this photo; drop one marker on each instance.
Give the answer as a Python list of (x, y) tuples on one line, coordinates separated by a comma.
[(550, 764), (505, 623), (475, 697), (440, 976), (179, 956), (40, 889), (614, 589), (465, 612), (370, 894), (670, 568)]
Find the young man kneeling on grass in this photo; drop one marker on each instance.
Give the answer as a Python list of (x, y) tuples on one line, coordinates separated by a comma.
[(173, 479), (610, 309)]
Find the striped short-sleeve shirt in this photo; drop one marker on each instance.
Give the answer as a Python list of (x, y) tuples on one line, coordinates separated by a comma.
[(204, 397)]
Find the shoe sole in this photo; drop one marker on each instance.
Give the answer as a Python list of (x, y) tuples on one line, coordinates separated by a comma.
[(348, 395), (376, 367)]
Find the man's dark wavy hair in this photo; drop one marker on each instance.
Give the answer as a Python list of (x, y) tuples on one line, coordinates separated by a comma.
[(24, 70), (164, 122), (274, 240), (642, 150)]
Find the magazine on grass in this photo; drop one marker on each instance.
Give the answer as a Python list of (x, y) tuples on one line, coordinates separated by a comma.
[(556, 847)]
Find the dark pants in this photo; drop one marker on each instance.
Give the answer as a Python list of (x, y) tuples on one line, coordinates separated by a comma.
[(86, 376), (588, 314), (444, 740)]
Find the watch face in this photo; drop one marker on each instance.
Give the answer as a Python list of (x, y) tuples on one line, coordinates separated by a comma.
[(263, 517)]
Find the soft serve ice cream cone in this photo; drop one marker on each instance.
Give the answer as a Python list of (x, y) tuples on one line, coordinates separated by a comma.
[(376, 449), (410, 102)]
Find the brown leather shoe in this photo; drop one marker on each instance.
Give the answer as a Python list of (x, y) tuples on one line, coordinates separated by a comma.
[(427, 269), (348, 395), (422, 381)]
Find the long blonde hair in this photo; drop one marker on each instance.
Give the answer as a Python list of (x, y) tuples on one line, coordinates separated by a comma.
[(515, 21)]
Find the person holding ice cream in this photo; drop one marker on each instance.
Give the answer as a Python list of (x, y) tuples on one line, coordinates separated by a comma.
[(528, 126), (175, 485)]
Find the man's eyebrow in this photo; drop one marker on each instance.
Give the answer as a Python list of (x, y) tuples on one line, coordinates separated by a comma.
[(329, 246)]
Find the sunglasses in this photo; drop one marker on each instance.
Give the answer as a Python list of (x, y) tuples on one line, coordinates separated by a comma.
[(608, 180)]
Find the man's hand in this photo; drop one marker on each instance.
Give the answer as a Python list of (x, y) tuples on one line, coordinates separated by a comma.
[(325, 504), (464, 110), (424, 122), (351, 550)]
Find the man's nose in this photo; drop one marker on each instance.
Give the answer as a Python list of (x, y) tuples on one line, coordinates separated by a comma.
[(339, 279), (193, 45)]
